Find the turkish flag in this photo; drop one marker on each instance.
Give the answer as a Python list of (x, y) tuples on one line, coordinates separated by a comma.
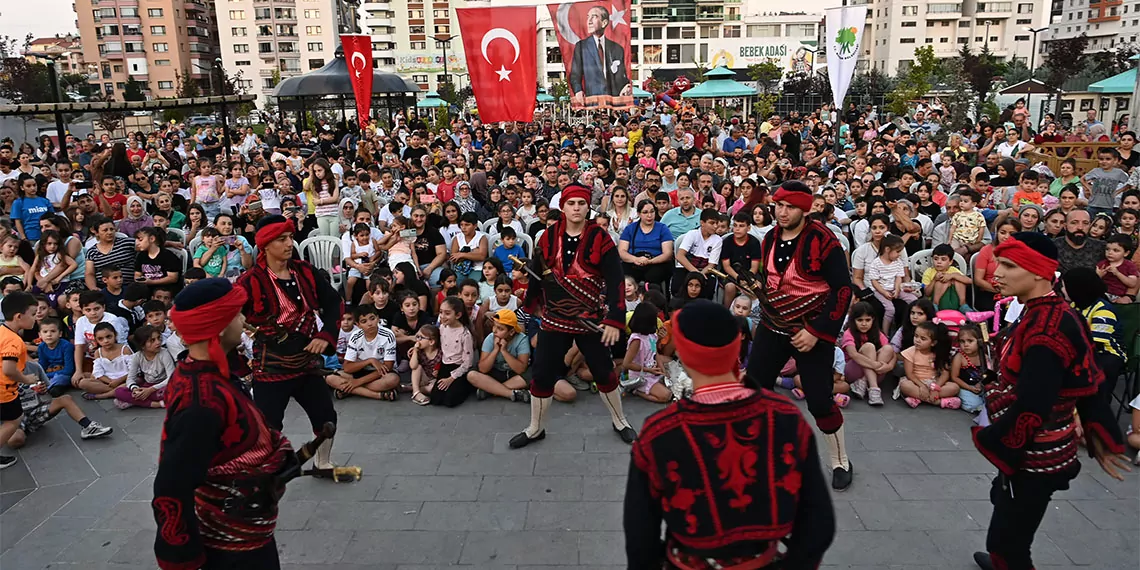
[(358, 57), (501, 46)]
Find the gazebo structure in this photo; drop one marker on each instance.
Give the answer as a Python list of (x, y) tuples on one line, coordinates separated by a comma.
[(329, 88), (431, 101), (639, 93), (719, 84)]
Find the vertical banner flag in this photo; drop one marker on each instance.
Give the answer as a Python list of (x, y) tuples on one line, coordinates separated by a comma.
[(844, 31), (358, 56), (501, 46), (594, 39)]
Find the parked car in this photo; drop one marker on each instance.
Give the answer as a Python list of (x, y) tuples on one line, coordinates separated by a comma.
[(200, 121)]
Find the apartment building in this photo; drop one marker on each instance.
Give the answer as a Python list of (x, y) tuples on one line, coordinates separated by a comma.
[(895, 28), (270, 40), (151, 41), (67, 51), (1109, 24)]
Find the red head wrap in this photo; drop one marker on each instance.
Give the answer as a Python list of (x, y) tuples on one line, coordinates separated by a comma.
[(206, 322), (795, 198), (576, 191), (708, 360), (269, 232), (1027, 258)]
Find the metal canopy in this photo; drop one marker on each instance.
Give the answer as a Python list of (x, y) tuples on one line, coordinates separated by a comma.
[(96, 106), (333, 79)]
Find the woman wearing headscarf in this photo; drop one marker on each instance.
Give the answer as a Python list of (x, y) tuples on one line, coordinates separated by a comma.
[(135, 217)]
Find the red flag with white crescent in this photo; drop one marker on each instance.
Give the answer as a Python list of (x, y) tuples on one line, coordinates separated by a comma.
[(501, 46), (594, 37), (358, 57)]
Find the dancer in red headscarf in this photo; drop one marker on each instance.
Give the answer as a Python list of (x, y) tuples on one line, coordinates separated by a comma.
[(582, 302), (804, 292), (219, 467), (1045, 377), (285, 298), (732, 471)]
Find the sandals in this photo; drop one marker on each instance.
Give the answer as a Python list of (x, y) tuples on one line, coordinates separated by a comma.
[(89, 396), (421, 399), (841, 400), (340, 394), (951, 403), (389, 395), (912, 402)]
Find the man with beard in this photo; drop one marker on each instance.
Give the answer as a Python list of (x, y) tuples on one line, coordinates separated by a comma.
[(1047, 375), (804, 291), (581, 280), (1075, 248)]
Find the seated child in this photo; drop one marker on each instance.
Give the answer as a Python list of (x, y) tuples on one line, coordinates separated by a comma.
[(57, 357), (928, 369), (969, 367), (112, 364), (156, 317), (369, 360), (870, 355), (38, 407), (503, 369), (94, 313), (1120, 275), (363, 254), (399, 248), (509, 247), (644, 369), (943, 283), (150, 369), (211, 253), (885, 275), (839, 388)]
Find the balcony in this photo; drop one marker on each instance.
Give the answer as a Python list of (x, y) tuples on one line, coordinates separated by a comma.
[(379, 22), (112, 55), (943, 11), (654, 17), (266, 72), (383, 37), (713, 2), (194, 6), (197, 32), (995, 9), (380, 5), (654, 2), (710, 16)]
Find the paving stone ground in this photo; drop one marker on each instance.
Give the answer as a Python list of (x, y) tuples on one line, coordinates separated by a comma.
[(441, 490)]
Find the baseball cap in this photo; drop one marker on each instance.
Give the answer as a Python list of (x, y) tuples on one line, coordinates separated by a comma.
[(507, 317)]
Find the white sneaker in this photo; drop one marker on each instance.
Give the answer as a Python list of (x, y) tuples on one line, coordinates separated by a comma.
[(859, 388), (95, 429)]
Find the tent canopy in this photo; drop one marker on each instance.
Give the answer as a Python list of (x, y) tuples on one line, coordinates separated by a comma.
[(332, 79), (431, 101), (639, 93), (1122, 83), (543, 96), (719, 83)]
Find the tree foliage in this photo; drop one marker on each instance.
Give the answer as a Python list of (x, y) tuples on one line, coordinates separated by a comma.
[(916, 82), (134, 90), (979, 71), (22, 81), (767, 75), (1065, 59)]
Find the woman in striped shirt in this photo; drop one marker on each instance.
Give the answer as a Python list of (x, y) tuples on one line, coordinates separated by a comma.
[(109, 250)]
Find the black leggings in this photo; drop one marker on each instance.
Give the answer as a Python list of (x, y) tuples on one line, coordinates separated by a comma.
[(653, 273), (264, 558), (455, 394), (310, 391), (550, 361), (1020, 502), (770, 351)]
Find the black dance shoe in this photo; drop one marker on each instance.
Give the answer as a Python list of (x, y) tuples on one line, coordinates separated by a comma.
[(982, 559), (841, 478), (627, 434), (521, 440)]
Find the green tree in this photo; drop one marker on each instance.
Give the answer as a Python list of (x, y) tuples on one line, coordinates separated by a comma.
[(979, 71), (1066, 58), (559, 89), (134, 90), (1016, 71), (916, 82), (767, 75), (24, 82), (447, 92)]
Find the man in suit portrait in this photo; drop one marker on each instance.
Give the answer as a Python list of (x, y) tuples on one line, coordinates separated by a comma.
[(599, 63)]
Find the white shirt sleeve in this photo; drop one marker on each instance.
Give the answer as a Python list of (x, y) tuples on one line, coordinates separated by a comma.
[(355, 348)]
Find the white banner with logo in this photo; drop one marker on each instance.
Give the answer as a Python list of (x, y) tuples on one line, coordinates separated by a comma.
[(844, 28)]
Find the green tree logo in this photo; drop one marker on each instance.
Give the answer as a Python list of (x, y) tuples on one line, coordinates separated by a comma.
[(846, 40)]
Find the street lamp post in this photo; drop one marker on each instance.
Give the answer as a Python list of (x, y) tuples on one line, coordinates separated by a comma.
[(1032, 62), (445, 40)]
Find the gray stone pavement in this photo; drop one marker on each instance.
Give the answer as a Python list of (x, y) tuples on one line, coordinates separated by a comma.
[(441, 489)]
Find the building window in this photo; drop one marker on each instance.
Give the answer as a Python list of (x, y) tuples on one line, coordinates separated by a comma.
[(241, 48), (441, 78), (1025, 8), (265, 47), (964, 24), (237, 14), (929, 40), (651, 33), (120, 85), (316, 63), (312, 30), (711, 32), (166, 85), (284, 13), (269, 83), (673, 33), (158, 30), (129, 12), (415, 14), (1024, 22), (963, 41), (417, 45), (316, 46), (293, 65), (943, 40), (763, 31), (287, 30), (443, 29), (161, 48), (420, 78), (906, 40), (909, 24), (241, 62), (133, 47), (801, 30), (162, 62), (312, 14), (930, 23), (732, 31), (688, 33), (441, 14), (238, 32), (1020, 38), (287, 47), (103, 13), (910, 10), (416, 30), (117, 68), (154, 12)]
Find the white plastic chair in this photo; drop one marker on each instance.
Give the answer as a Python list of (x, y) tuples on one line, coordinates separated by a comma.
[(193, 246), (324, 253), (523, 239), (488, 226), (923, 260), (172, 233)]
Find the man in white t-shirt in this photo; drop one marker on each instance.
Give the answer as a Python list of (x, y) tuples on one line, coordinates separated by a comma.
[(94, 307), (386, 213), (698, 250)]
